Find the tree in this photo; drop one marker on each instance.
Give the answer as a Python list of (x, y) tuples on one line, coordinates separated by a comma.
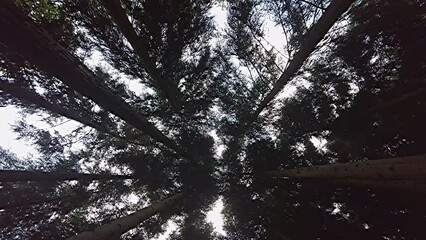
[(325, 109), (183, 104), (169, 49), (190, 162)]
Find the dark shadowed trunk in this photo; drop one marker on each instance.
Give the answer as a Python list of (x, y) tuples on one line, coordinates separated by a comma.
[(400, 168), (421, 92), (34, 98), (23, 176), (120, 226), (385, 185)]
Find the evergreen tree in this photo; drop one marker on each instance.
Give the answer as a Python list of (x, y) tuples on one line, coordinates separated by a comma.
[(153, 90)]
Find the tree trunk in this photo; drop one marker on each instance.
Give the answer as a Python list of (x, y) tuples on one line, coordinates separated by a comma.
[(312, 38), (278, 235), (140, 46), (120, 226), (398, 101), (26, 38), (24, 176), (401, 168), (385, 185), (406, 103), (34, 98)]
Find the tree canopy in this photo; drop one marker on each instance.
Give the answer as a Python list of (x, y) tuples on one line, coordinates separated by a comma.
[(315, 134)]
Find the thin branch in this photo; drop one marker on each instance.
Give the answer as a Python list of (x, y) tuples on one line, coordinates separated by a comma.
[(313, 4)]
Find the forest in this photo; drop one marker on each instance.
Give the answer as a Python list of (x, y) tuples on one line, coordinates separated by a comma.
[(305, 119)]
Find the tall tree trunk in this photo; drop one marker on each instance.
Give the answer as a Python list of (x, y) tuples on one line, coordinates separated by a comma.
[(140, 46), (26, 38), (23, 176), (280, 236), (385, 185), (406, 102), (394, 174), (34, 98), (398, 101), (120, 226), (312, 38), (400, 168)]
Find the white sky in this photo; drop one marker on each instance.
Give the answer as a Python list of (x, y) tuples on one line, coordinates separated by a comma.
[(8, 139), (215, 217)]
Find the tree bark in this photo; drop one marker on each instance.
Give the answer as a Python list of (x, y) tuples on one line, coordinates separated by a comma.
[(140, 46), (120, 226), (385, 185), (24, 176), (26, 38), (412, 168), (312, 38)]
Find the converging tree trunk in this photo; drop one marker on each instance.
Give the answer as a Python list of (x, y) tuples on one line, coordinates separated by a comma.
[(400, 168), (140, 46), (280, 236), (33, 98), (120, 226), (421, 92), (23, 176), (37, 46), (312, 38), (395, 174), (385, 185)]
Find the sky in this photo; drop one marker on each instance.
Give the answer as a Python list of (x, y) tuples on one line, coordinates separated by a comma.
[(8, 139)]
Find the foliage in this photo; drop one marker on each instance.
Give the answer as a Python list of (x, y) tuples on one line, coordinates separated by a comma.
[(337, 113)]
